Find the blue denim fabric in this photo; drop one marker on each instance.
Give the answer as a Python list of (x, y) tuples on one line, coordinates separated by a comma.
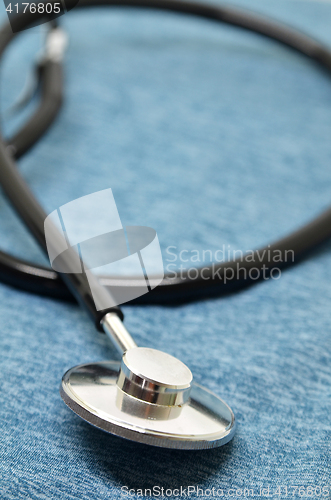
[(213, 137)]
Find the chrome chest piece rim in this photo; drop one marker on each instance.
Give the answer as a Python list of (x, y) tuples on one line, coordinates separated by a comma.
[(149, 397)]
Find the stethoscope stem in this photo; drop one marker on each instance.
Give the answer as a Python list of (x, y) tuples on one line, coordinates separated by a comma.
[(117, 333)]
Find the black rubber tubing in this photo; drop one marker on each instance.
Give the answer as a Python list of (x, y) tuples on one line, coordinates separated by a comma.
[(211, 280)]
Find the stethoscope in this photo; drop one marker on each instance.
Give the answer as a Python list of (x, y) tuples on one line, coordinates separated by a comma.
[(150, 396)]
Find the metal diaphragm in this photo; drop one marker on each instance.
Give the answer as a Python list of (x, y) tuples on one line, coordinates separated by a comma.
[(150, 398)]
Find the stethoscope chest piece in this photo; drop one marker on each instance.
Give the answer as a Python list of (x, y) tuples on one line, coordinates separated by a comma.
[(149, 397)]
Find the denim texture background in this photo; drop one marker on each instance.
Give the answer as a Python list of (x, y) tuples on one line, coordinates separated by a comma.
[(212, 136)]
